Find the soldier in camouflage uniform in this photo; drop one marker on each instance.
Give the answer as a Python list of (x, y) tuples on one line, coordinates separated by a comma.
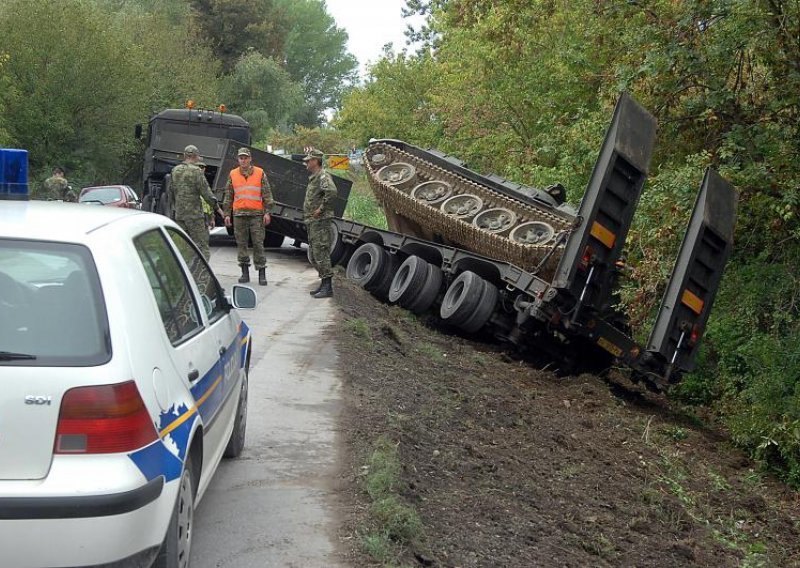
[(56, 188), (248, 200), (188, 186), (318, 212)]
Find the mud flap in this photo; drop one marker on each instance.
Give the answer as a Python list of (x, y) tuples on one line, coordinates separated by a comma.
[(586, 270), (696, 276)]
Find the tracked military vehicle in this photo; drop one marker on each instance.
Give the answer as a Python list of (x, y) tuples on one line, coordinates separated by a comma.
[(496, 258)]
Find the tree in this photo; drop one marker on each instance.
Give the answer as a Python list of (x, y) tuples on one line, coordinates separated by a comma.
[(234, 27), (316, 57), (261, 91)]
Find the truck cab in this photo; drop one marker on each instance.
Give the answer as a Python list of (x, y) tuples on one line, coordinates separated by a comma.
[(169, 132)]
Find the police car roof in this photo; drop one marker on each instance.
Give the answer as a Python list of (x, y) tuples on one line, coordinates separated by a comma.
[(54, 221)]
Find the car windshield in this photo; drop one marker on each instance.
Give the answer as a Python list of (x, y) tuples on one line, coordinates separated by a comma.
[(52, 311), (102, 194)]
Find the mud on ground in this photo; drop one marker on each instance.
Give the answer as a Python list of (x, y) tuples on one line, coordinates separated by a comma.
[(508, 465)]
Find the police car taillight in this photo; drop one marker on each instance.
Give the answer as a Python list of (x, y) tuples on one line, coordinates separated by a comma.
[(103, 419)]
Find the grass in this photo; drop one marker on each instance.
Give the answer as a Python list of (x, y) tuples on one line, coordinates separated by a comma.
[(362, 206), (394, 525), (431, 352), (357, 327)]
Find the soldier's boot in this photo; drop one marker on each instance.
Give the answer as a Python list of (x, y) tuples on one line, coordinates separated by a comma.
[(262, 276), (245, 277), (317, 289), (326, 290)]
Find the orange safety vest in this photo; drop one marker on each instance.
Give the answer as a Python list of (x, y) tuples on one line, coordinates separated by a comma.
[(247, 190)]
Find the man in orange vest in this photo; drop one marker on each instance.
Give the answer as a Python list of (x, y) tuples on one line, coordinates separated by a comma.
[(249, 199)]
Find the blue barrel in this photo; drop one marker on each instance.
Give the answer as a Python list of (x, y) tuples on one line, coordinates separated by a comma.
[(13, 174)]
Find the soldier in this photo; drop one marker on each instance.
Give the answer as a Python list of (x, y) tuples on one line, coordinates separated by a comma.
[(249, 199), (318, 212), (56, 187), (208, 211), (189, 186)]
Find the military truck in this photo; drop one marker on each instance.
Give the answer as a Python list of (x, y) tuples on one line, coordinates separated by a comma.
[(218, 136), (169, 132)]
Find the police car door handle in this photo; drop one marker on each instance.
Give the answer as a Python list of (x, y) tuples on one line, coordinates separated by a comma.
[(194, 374)]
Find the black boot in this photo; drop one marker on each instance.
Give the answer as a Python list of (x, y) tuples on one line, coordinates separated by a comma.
[(326, 290), (245, 277), (317, 289), (262, 276)]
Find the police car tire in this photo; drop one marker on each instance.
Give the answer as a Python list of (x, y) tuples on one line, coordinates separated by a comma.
[(236, 441), (176, 548)]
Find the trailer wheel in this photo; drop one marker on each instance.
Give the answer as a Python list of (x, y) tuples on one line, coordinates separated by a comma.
[(462, 298), (429, 292), (409, 280), (484, 309), (380, 288), (338, 247), (367, 264)]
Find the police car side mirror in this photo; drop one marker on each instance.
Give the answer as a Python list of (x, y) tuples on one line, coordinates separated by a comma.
[(244, 297)]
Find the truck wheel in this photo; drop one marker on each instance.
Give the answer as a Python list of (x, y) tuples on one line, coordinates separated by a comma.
[(462, 298), (338, 247), (429, 292), (484, 309), (367, 264), (380, 287), (408, 281), (273, 240)]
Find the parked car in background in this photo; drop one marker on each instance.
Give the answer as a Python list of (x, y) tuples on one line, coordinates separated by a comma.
[(123, 382), (114, 195)]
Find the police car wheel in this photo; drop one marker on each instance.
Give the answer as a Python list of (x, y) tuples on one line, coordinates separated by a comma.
[(177, 546), (236, 442)]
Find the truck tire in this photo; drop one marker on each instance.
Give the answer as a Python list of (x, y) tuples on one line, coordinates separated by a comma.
[(380, 287), (429, 292), (409, 280), (367, 264), (273, 240), (462, 298), (484, 309)]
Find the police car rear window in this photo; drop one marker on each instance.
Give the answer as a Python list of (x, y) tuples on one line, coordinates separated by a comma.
[(52, 312)]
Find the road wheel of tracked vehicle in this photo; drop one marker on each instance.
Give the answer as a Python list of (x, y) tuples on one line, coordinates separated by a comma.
[(484, 309), (462, 298), (429, 292), (272, 240), (400, 175), (432, 192), (533, 233), (464, 206), (497, 220), (409, 280), (367, 264)]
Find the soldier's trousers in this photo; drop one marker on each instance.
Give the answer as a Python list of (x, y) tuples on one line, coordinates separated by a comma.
[(250, 227), (319, 243), (198, 231)]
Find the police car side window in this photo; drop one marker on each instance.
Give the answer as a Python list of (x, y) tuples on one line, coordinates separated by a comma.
[(211, 292), (176, 303)]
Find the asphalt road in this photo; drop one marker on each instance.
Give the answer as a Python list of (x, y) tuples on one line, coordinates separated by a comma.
[(275, 506)]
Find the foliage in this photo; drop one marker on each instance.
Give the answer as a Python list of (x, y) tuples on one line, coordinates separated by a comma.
[(316, 57), (261, 91), (329, 140), (235, 27), (526, 89)]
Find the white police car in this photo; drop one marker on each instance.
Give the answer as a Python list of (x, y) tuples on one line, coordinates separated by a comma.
[(123, 382)]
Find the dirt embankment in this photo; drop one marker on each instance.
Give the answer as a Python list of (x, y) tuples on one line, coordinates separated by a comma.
[(507, 465)]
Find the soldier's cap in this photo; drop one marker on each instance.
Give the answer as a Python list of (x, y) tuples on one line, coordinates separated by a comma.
[(191, 150), (314, 155), (243, 152)]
